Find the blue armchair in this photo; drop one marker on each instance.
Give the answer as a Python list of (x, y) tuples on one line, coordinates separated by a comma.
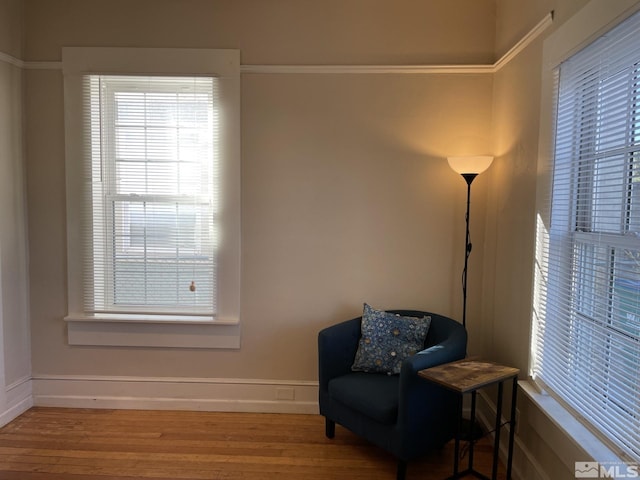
[(403, 414)]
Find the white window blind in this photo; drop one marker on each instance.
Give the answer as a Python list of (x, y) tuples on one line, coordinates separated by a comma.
[(587, 315), (150, 228)]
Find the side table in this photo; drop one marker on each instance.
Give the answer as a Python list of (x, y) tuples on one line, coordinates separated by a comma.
[(468, 376)]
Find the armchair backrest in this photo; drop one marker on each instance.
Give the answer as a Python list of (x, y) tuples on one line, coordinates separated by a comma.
[(441, 329)]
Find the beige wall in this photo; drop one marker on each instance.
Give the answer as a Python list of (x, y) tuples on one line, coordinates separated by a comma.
[(14, 317), (273, 31), (347, 196), (11, 33)]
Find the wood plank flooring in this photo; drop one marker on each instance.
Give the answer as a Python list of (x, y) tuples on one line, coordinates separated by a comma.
[(57, 443)]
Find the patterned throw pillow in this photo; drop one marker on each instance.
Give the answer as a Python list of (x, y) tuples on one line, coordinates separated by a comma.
[(387, 339)]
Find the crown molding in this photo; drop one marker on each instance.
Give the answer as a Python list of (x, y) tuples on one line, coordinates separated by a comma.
[(16, 62), (534, 33), (365, 69), (6, 58), (524, 42), (43, 65)]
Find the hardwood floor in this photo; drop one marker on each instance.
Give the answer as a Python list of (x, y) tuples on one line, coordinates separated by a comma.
[(57, 443)]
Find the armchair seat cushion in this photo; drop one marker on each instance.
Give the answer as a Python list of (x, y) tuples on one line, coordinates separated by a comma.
[(372, 394)]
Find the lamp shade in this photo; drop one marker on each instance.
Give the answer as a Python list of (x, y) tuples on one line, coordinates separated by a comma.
[(470, 164)]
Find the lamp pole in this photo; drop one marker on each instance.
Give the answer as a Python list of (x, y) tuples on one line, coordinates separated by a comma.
[(468, 167), (468, 177)]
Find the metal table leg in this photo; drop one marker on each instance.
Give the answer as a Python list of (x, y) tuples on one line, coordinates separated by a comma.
[(496, 444), (512, 426)]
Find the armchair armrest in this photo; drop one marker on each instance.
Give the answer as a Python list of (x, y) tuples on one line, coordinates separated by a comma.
[(452, 349), (414, 390), (337, 346)]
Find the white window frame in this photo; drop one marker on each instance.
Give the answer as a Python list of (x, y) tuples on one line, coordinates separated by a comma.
[(591, 22), (222, 328)]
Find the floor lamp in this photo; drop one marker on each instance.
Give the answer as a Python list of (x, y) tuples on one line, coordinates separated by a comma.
[(469, 167)]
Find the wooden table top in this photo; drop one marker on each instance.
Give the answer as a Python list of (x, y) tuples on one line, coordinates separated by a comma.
[(468, 374)]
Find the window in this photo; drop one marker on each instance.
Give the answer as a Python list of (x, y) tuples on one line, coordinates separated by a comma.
[(154, 175), (586, 339), (152, 195)]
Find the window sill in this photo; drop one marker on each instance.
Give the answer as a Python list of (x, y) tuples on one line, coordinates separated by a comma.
[(580, 435), (168, 331), (147, 319)]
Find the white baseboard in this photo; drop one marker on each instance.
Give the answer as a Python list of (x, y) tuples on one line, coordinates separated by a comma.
[(224, 395), (18, 400)]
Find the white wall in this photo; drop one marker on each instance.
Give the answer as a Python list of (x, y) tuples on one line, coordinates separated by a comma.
[(15, 355)]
